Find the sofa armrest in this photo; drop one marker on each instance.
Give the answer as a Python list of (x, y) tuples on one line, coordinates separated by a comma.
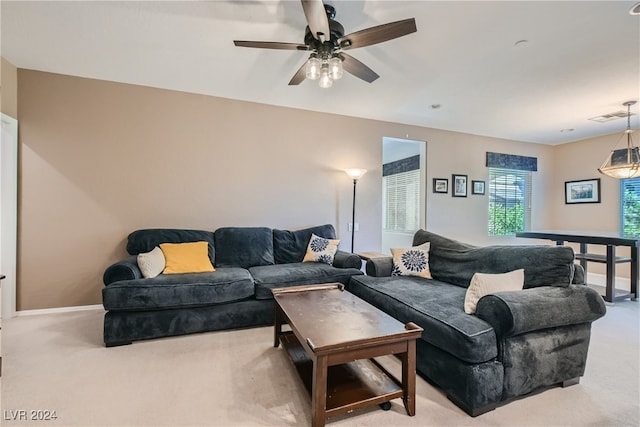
[(516, 312), (127, 269), (344, 259), (379, 267)]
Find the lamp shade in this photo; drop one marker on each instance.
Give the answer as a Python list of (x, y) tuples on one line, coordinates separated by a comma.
[(622, 164), (355, 173)]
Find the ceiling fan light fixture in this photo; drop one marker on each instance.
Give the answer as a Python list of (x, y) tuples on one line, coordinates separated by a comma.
[(625, 162), (335, 68), (312, 68), (325, 39), (325, 81)]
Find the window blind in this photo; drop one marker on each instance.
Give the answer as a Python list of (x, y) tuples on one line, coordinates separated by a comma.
[(509, 201), (401, 201)]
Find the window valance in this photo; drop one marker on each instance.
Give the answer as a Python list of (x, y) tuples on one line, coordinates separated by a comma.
[(403, 165), (512, 161)]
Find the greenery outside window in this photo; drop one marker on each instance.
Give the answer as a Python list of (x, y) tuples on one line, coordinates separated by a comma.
[(630, 206), (509, 201)]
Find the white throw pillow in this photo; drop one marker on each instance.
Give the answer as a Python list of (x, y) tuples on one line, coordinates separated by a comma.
[(412, 261), (151, 263), (484, 284), (321, 250)]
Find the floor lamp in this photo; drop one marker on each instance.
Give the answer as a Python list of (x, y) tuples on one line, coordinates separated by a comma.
[(354, 174)]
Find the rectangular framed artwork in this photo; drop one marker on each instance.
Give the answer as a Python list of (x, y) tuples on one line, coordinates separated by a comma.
[(583, 191), (440, 185), (477, 187), (459, 183)]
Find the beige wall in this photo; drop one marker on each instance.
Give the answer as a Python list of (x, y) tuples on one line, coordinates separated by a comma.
[(101, 159), (577, 161), (8, 88), (581, 160)]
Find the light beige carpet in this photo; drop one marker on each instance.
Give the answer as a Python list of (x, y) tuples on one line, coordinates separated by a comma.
[(236, 378)]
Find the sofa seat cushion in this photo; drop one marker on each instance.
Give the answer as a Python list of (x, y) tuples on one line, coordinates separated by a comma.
[(437, 307), (179, 290), (268, 277)]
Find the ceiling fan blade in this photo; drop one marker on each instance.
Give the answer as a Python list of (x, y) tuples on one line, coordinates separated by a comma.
[(316, 18), (299, 76), (271, 45), (378, 34), (357, 68)]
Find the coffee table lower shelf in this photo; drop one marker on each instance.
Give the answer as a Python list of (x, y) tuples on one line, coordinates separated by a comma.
[(350, 386)]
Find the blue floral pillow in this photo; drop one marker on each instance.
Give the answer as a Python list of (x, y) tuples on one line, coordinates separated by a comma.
[(411, 261), (321, 250)]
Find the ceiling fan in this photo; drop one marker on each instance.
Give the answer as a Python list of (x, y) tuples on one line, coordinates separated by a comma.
[(325, 38)]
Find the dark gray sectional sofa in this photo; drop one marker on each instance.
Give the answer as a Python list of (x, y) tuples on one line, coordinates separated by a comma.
[(249, 262), (516, 343)]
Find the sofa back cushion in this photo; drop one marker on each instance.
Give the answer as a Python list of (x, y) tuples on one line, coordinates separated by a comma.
[(456, 262), (141, 241), (243, 246), (291, 246)]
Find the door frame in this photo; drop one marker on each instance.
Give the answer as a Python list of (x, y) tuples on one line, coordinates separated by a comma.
[(9, 213)]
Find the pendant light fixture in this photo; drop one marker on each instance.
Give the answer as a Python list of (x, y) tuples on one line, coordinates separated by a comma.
[(624, 162)]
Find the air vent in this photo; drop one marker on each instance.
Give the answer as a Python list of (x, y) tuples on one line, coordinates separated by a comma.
[(611, 116)]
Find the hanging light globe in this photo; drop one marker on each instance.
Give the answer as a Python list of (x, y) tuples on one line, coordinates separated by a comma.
[(623, 163), (312, 68), (325, 81), (335, 68)]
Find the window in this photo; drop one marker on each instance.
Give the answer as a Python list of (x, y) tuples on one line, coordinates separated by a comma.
[(509, 201), (401, 199), (630, 206)]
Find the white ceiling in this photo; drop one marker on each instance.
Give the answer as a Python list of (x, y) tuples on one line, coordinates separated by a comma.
[(582, 58)]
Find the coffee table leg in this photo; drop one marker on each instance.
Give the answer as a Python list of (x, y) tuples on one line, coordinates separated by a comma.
[(409, 377), (277, 326), (319, 392)]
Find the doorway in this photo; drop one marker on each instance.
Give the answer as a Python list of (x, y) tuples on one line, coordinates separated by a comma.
[(403, 191)]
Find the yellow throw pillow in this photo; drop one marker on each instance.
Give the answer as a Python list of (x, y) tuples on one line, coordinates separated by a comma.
[(186, 257)]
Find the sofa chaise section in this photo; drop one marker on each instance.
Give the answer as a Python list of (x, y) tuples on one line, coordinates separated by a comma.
[(516, 343)]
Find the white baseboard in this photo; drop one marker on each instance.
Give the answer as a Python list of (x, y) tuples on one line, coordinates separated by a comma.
[(622, 283), (59, 310)]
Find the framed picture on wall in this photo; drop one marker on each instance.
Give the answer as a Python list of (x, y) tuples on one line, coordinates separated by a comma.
[(477, 187), (459, 183), (583, 191), (440, 185)]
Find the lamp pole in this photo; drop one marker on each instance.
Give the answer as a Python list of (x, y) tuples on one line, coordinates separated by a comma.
[(355, 174), (353, 214)]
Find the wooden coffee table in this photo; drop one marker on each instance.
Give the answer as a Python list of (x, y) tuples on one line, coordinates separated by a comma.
[(333, 339)]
